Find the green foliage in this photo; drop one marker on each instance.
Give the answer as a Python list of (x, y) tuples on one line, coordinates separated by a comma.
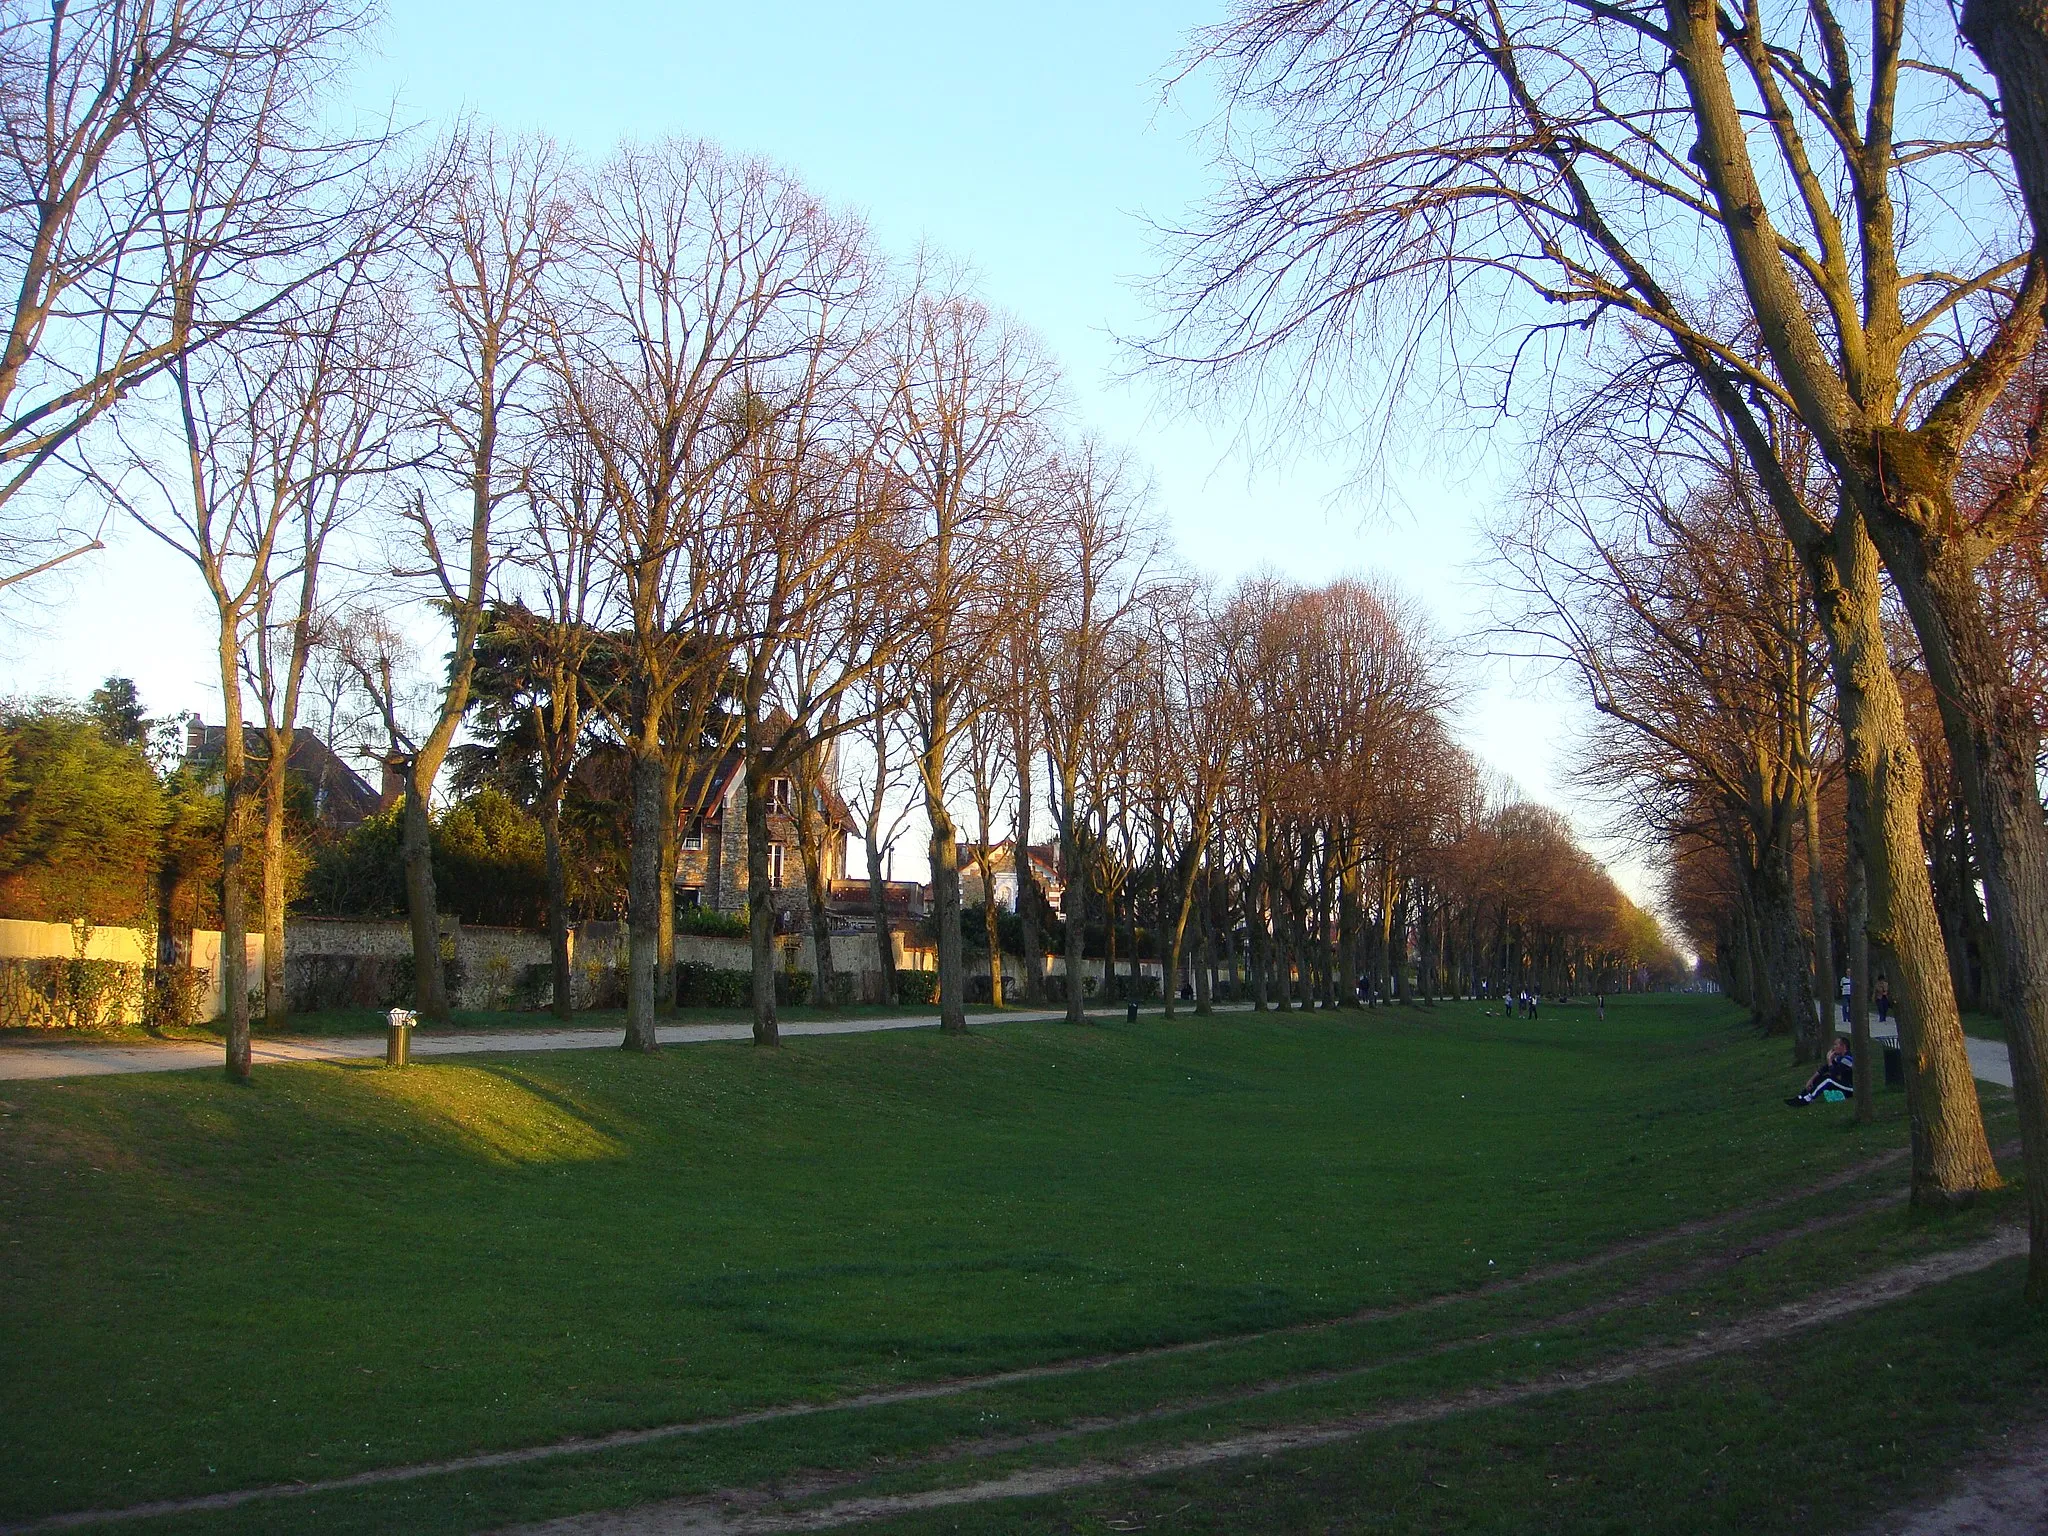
[(711, 986), (1124, 990), (359, 873), (68, 993), (116, 708), (188, 850), (917, 989), (489, 863), (80, 818), (710, 923), (1009, 930)]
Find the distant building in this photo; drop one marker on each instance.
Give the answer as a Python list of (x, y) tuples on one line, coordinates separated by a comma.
[(711, 841), (342, 798), (1044, 864), (852, 904)]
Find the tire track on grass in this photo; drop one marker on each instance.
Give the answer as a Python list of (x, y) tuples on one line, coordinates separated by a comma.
[(886, 1397), (729, 1515)]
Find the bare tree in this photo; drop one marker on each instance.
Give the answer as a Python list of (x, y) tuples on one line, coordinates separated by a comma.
[(1103, 552), (490, 230), (319, 442), (961, 405), (1752, 194), (160, 163), (692, 276)]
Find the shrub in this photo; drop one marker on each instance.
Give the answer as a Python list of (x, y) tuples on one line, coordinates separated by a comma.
[(537, 986), (67, 994), (916, 989), (711, 986), (710, 923), (175, 992), (604, 985)]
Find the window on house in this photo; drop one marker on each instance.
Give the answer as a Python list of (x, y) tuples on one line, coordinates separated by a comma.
[(775, 857), (693, 833), (779, 798), (688, 896)]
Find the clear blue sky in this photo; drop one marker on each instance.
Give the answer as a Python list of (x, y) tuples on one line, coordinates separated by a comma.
[(1028, 140)]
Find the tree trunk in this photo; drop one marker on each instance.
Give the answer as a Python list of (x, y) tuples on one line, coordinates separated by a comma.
[(665, 906), (1258, 935), (1782, 1009), (643, 897), (1169, 980), (946, 909), (1076, 910), (2011, 37), (234, 959), (1134, 984), (1817, 898), (416, 851), (1993, 746), (558, 906), (1951, 1157), (1030, 900), (991, 922), (761, 911), (1866, 1074), (275, 1003), (825, 989), (878, 894)]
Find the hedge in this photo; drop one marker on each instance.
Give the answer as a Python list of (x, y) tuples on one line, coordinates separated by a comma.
[(710, 986), (916, 989), (59, 993)]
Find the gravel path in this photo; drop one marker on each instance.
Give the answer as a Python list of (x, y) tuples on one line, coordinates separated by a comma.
[(25, 1063), (1988, 1059)]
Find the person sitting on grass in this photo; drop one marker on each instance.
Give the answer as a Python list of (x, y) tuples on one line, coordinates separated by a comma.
[(1835, 1079)]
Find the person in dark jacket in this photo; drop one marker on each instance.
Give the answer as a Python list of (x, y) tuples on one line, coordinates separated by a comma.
[(1837, 1075)]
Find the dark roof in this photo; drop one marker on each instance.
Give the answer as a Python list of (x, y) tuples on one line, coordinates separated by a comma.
[(706, 786), (341, 796)]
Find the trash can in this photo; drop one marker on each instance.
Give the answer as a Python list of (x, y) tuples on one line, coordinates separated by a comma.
[(398, 1025), (1894, 1067), (1130, 1013)]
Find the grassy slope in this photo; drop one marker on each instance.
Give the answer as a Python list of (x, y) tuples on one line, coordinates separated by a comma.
[(346, 1267)]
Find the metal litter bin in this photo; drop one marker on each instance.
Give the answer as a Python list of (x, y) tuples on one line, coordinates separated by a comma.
[(398, 1025), (1130, 1013), (1894, 1067)]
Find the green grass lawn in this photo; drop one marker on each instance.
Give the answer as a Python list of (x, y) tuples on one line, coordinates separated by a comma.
[(1984, 1026), (345, 1267)]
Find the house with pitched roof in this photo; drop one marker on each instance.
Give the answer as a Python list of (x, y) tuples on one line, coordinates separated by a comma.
[(1044, 863), (711, 841)]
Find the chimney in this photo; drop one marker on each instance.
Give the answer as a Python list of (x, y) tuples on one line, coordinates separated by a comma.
[(391, 787)]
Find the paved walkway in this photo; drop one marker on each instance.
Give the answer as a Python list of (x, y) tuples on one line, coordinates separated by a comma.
[(23, 1063), (1988, 1060), (20, 1063)]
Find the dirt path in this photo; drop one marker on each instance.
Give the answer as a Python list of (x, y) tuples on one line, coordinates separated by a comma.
[(958, 1386), (2003, 1494), (743, 1514)]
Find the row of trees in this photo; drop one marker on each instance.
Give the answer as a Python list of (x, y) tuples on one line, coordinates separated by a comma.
[(1771, 281), (679, 463)]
